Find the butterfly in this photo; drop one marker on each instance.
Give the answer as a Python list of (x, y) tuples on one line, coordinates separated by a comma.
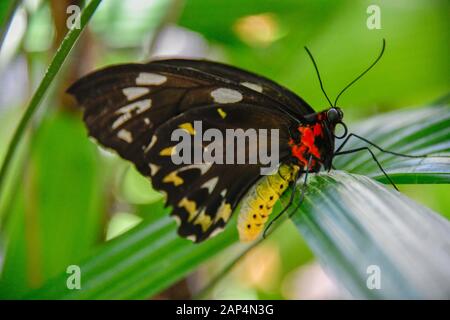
[(134, 109)]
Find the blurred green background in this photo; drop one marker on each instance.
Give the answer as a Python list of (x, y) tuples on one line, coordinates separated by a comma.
[(65, 197)]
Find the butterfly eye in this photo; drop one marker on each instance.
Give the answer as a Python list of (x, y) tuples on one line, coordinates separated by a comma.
[(333, 115)]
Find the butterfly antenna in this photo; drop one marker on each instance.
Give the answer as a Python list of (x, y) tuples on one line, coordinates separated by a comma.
[(318, 75), (365, 71)]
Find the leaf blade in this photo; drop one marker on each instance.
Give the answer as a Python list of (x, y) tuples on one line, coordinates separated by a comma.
[(352, 222), (146, 259)]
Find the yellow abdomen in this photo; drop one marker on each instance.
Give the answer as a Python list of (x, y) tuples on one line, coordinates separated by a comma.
[(258, 204)]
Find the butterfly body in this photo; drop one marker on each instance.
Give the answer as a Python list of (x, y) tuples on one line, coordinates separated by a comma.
[(135, 108), (315, 138)]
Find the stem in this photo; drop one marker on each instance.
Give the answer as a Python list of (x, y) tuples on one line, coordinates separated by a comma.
[(53, 69)]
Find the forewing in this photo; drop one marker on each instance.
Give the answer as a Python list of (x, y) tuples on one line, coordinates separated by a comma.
[(125, 104)]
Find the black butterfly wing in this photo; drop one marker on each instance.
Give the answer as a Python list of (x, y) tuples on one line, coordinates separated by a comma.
[(125, 104), (272, 90), (203, 195)]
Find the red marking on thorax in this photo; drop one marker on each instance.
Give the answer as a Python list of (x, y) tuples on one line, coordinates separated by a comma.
[(306, 146), (318, 130)]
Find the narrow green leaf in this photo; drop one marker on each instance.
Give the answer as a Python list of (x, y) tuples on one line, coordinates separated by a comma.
[(7, 9), (138, 264), (357, 227), (56, 217), (42, 89)]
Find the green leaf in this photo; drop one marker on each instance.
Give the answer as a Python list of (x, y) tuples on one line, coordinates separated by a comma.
[(352, 223), (138, 264), (410, 131), (56, 218)]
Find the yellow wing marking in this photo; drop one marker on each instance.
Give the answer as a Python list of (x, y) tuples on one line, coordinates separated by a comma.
[(190, 206), (188, 127), (167, 151), (222, 113), (224, 212), (173, 178), (203, 220)]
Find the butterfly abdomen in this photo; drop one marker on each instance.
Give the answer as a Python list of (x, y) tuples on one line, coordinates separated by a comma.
[(258, 204)]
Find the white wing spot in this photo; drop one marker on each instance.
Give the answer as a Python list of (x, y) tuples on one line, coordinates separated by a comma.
[(125, 135), (147, 121), (225, 95), (152, 143), (210, 184), (121, 120), (223, 193), (177, 220), (192, 237), (126, 111), (140, 106), (149, 79), (153, 168), (253, 86), (135, 92), (216, 232), (202, 166)]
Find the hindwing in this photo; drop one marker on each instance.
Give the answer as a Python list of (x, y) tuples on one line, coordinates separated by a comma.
[(203, 195)]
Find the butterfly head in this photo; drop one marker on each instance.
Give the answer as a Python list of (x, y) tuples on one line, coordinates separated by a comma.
[(334, 115)]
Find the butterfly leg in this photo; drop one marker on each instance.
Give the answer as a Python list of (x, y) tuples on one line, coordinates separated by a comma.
[(302, 197), (375, 146), (373, 157), (305, 180)]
